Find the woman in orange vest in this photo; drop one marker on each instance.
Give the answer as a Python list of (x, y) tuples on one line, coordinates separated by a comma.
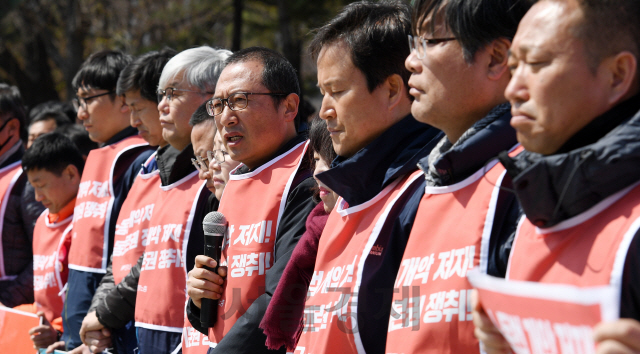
[(282, 322)]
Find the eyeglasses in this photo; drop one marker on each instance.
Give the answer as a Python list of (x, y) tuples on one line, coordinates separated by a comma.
[(202, 163), (170, 90), (82, 101), (236, 102), (418, 45)]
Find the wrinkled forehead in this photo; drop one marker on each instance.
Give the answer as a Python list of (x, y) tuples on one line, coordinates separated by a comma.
[(240, 76)]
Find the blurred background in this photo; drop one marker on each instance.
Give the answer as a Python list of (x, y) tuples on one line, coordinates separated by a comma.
[(44, 42)]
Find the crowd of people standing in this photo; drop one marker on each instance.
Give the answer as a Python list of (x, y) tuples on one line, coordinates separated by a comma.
[(456, 136)]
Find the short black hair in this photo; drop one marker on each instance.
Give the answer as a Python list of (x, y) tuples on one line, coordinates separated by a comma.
[(65, 108), (320, 139), (49, 110), (101, 71), (609, 27), (79, 137), (52, 152), (200, 115), (376, 34), (319, 142), (278, 75), (143, 74), (474, 23), (11, 106)]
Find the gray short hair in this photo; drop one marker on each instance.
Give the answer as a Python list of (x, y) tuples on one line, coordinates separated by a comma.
[(200, 67)]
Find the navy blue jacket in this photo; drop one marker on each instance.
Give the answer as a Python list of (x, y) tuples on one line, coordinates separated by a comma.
[(358, 179), (450, 164)]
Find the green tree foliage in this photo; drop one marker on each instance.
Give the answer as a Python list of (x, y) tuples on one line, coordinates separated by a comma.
[(43, 42)]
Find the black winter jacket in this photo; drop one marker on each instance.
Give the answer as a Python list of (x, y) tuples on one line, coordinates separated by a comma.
[(598, 161), (245, 336), (17, 236)]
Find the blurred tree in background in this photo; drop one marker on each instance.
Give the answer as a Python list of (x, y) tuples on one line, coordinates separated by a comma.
[(44, 42)]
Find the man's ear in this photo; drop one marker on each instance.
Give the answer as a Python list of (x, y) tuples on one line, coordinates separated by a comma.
[(124, 108), (621, 71), (13, 127), (71, 173), (498, 52), (397, 90), (290, 104)]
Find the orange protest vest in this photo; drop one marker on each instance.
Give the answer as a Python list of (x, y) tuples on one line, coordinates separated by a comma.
[(163, 276), (431, 312), (8, 177), (193, 342), (133, 223), (253, 204), (90, 235), (47, 282), (586, 250), (330, 318)]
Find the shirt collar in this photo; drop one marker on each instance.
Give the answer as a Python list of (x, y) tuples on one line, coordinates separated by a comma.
[(64, 213)]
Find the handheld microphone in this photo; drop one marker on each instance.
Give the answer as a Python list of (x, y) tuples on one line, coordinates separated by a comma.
[(214, 226)]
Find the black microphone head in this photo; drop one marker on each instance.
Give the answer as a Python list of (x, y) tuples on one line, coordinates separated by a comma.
[(214, 224)]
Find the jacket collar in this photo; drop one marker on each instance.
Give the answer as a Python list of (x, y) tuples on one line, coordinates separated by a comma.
[(173, 165), (124, 133), (451, 163), (286, 147), (12, 155), (362, 176), (557, 187)]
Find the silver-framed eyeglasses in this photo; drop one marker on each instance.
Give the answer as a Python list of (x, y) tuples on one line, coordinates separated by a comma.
[(82, 101), (418, 45), (202, 163), (170, 90), (236, 102)]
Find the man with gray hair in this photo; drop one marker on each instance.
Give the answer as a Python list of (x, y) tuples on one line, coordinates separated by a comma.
[(175, 233)]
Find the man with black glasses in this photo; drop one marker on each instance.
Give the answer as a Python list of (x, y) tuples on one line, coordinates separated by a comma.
[(21, 212), (108, 176), (459, 71), (266, 201)]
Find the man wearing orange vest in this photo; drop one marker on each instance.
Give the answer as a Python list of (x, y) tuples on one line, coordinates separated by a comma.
[(109, 174), (175, 233), (266, 200), (366, 104), (576, 109), (459, 71), (21, 210), (113, 304), (53, 165)]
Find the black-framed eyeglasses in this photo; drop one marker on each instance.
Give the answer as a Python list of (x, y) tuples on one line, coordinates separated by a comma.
[(418, 45), (236, 102), (82, 101), (202, 163), (170, 90)]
